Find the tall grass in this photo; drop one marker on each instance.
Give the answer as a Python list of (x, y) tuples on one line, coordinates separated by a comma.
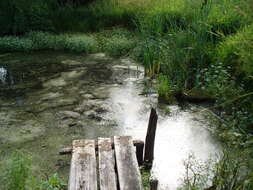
[(205, 45)]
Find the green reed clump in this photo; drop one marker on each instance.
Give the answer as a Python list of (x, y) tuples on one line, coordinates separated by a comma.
[(165, 89)]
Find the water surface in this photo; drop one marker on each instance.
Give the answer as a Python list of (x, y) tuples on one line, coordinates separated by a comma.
[(55, 98)]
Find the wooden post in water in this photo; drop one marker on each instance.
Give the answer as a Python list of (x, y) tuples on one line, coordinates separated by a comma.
[(139, 151), (150, 139), (153, 184)]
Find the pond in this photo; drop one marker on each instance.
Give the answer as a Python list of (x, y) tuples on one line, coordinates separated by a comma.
[(49, 99)]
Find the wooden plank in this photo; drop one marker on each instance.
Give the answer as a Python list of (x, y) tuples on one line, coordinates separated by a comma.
[(106, 160), (127, 166), (83, 174)]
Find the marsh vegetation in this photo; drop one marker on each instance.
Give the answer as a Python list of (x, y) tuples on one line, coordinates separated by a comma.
[(202, 49)]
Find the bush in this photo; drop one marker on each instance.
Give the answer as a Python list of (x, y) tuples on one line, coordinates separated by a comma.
[(41, 40), (237, 51), (15, 44), (46, 41), (218, 82), (118, 45), (116, 41), (77, 44)]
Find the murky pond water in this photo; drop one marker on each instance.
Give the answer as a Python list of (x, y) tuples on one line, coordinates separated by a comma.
[(49, 99)]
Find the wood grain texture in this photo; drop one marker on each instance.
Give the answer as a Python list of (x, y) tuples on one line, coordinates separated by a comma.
[(83, 174), (106, 160), (127, 166)]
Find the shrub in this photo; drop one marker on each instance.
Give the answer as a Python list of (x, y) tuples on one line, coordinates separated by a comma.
[(53, 183), (217, 80), (11, 44), (116, 41), (41, 40), (237, 51), (78, 44), (119, 45), (46, 41)]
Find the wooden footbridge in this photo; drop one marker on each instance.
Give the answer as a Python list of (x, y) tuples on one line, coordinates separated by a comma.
[(111, 163)]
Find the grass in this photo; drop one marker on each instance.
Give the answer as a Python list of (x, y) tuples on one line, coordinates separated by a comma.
[(236, 51), (145, 175), (17, 175)]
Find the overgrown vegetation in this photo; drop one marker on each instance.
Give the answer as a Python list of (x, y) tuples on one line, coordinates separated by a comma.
[(145, 176), (231, 172), (17, 175), (202, 45)]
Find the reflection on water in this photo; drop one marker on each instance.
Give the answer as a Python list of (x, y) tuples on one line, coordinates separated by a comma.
[(3, 75), (178, 135)]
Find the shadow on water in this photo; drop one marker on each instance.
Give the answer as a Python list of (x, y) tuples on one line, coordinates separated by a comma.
[(49, 99)]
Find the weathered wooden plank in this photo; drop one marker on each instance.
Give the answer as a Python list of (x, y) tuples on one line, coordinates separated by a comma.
[(126, 162), (106, 160), (83, 174)]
